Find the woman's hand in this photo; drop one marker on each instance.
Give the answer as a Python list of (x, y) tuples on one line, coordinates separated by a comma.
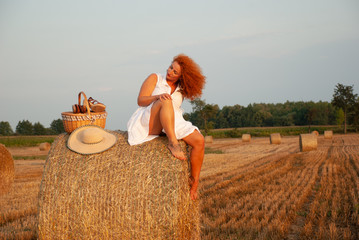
[(164, 96)]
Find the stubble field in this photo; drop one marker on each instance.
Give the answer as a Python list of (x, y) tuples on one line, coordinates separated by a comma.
[(251, 191)]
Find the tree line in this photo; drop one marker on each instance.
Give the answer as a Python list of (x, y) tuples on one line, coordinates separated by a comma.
[(342, 110), (25, 127)]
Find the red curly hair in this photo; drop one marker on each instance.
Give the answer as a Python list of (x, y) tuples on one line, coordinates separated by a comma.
[(192, 80)]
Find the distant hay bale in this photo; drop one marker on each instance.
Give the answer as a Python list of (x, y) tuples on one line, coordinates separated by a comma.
[(45, 146), (208, 139), (316, 133), (7, 170), (246, 137), (328, 134), (275, 138), (307, 142), (126, 192)]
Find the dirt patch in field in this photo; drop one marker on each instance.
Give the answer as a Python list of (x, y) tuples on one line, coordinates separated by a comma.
[(232, 145), (25, 169), (27, 151)]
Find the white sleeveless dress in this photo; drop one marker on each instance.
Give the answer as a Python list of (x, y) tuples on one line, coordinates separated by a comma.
[(138, 125)]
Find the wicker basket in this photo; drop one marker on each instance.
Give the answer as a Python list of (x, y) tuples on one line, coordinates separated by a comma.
[(72, 120)]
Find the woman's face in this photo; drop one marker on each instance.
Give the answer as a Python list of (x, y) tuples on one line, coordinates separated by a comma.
[(173, 72)]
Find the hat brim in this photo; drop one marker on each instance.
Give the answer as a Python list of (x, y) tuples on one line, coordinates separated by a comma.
[(75, 144)]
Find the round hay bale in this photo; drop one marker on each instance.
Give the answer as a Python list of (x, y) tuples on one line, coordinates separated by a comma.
[(246, 137), (307, 142), (275, 138), (45, 146), (7, 170), (126, 192), (328, 134), (316, 133), (208, 139)]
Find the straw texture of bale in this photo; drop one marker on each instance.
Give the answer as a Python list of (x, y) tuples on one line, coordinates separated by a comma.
[(208, 139), (7, 170), (246, 138), (126, 192), (328, 134), (308, 142), (275, 138), (316, 133), (45, 146)]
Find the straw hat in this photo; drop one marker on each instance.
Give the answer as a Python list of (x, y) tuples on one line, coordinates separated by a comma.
[(90, 139)]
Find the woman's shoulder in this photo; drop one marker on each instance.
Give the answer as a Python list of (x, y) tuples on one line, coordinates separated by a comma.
[(152, 78), (156, 79), (158, 75), (155, 76)]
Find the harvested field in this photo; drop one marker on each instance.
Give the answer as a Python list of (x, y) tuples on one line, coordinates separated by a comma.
[(261, 191), (18, 208), (253, 190)]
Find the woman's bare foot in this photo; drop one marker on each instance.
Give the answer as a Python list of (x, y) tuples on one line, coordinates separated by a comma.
[(176, 151), (194, 185)]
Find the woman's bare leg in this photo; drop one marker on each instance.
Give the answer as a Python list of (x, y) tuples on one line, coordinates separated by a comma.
[(196, 141), (162, 117)]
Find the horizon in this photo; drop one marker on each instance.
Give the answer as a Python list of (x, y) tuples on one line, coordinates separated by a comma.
[(220, 108)]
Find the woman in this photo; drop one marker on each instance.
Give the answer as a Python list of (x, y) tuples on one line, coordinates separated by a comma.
[(160, 100)]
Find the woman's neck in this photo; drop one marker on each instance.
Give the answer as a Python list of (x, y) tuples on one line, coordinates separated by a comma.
[(173, 85)]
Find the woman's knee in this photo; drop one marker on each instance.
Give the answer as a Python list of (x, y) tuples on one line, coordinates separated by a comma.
[(197, 140), (163, 102), (158, 105), (166, 103), (200, 140)]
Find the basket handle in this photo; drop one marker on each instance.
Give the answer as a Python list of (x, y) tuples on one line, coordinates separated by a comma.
[(85, 102)]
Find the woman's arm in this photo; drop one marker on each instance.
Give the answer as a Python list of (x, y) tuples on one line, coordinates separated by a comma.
[(144, 97)]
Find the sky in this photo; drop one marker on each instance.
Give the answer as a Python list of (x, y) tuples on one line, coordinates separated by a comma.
[(269, 51)]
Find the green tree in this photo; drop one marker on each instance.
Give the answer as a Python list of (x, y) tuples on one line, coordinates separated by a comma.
[(300, 110), (197, 104), (344, 98), (208, 114), (233, 115), (203, 114), (39, 129), (57, 126), (221, 121), (247, 116), (197, 109), (355, 115), (339, 117), (5, 129), (311, 113), (323, 113), (24, 127)]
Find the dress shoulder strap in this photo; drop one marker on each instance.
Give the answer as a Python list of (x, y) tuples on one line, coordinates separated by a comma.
[(159, 77)]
